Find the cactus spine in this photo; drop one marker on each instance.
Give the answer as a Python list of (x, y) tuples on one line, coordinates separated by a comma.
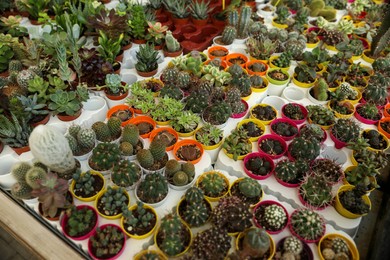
[(243, 22)]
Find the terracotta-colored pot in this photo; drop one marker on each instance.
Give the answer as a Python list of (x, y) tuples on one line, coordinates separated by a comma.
[(172, 54), (217, 48), (20, 150), (235, 56), (67, 118), (168, 129), (117, 97), (180, 21), (147, 74), (42, 122), (251, 72), (143, 119), (188, 142), (199, 23), (116, 108), (139, 41)]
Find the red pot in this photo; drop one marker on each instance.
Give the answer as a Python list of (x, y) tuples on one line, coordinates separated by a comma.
[(147, 74), (139, 41), (304, 111), (123, 246), (199, 23), (264, 156), (242, 114), (337, 143), (364, 120), (42, 122), (180, 21), (172, 54), (20, 150), (64, 221), (301, 238)]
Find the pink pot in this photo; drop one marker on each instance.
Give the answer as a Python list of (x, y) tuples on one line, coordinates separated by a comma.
[(273, 137), (242, 114), (286, 184), (364, 120), (284, 120), (64, 221), (269, 202), (261, 155), (337, 143), (118, 254), (301, 238), (303, 109)]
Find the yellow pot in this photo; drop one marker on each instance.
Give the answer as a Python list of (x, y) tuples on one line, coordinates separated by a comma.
[(260, 90), (181, 201), (330, 47), (323, 69), (214, 199), (265, 122), (279, 25), (355, 101), (165, 123), (271, 240), (89, 198), (353, 58), (247, 97), (240, 179), (257, 122), (384, 137), (141, 254), (312, 45), (303, 84), (325, 127), (271, 59), (187, 247), (187, 134), (101, 213), (337, 114), (351, 246), (366, 58), (240, 157), (134, 207), (343, 211)]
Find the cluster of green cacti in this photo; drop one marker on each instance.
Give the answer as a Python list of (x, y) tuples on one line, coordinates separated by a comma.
[(376, 91), (295, 46), (171, 43), (232, 213), (233, 98), (172, 235), (85, 183), (153, 188), (138, 218), (284, 129), (213, 243), (346, 130), (197, 101), (126, 173), (218, 113), (316, 190), (79, 220), (283, 61), (179, 174), (321, 115), (213, 184), (307, 223), (320, 90), (110, 235), (130, 140), (293, 111), (335, 248), (318, 8), (255, 244), (169, 75), (240, 22), (334, 37), (112, 201), (274, 217), (152, 156), (104, 156), (171, 91), (353, 201), (107, 132), (28, 177), (302, 148), (81, 140), (282, 14), (258, 165), (237, 143), (196, 211)]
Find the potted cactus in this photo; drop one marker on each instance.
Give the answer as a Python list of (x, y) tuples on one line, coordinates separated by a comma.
[(334, 244), (285, 128), (86, 186), (376, 90), (147, 58), (227, 37), (315, 191), (194, 209), (110, 202), (319, 92), (214, 185), (165, 134), (15, 133), (328, 168), (271, 216), (186, 123), (258, 166), (130, 142), (217, 114), (149, 254), (126, 174), (123, 112), (296, 112), (265, 113), (313, 131), (109, 241), (108, 132), (172, 47), (81, 141), (304, 76), (173, 237), (307, 225), (344, 131), (352, 201), (304, 148), (253, 127), (103, 157), (139, 221), (152, 190), (368, 113), (254, 243), (320, 115), (180, 175), (237, 145), (272, 145), (291, 173), (153, 159), (213, 243), (231, 214), (293, 246), (247, 189), (79, 222), (376, 140)]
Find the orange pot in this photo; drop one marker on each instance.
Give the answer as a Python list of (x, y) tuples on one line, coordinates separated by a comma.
[(143, 119), (168, 129), (67, 118), (217, 48), (188, 142), (251, 72), (223, 63), (20, 150), (236, 56), (380, 129), (386, 110), (114, 109)]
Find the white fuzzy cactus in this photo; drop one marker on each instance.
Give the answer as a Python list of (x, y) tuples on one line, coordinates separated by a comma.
[(50, 147)]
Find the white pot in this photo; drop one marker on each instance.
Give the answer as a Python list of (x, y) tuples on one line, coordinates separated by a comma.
[(153, 205), (276, 90), (217, 44), (276, 102), (337, 155), (313, 100), (293, 94), (6, 178)]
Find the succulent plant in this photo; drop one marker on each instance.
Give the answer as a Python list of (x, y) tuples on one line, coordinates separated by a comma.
[(218, 113), (147, 58), (139, 219), (87, 183), (171, 43), (316, 191), (213, 243), (125, 173), (254, 243), (309, 131), (271, 217), (232, 214), (284, 129), (80, 221), (81, 140), (352, 200), (321, 115), (250, 188), (346, 130), (329, 169), (196, 211), (287, 171), (212, 184), (259, 166), (293, 245), (308, 224), (302, 148), (107, 241), (153, 188), (112, 201), (104, 156), (237, 143), (293, 111)]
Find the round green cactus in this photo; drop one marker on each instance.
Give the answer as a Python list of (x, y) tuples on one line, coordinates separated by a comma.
[(86, 137), (172, 167), (194, 195), (306, 149), (196, 214), (19, 171), (250, 188), (130, 134), (21, 190), (15, 66), (73, 130), (145, 158), (102, 131), (157, 148), (126, 149), (114, 125), (34, 176), (189, 169), (293, 245), (180, 178), (73, 144)]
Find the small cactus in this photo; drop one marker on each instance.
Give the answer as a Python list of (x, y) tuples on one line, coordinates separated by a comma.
[(145, 158), (293, 245), (130, 134), (102, 131), (171, 43), (250, 188), (126, 149), (339, 245), (212, 184), (157, 148), (19, 171), (114, 126), (21, 190), (228, 35), (308, 224), (34, 176)]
